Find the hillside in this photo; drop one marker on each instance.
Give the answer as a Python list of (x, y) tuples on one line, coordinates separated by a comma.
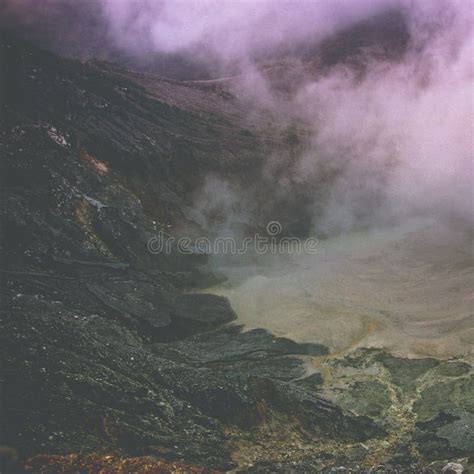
[(111, 353)]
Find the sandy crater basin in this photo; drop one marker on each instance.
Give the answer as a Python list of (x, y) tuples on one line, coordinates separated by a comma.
[(408, 289)]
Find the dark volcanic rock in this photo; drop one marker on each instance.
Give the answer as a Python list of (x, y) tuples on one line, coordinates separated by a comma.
[(230, 345), (449, 433), (83, 154), (85, 383), (103, 352), (445, 413), (314, 412), (224, 361), (135, 299), (404, 372), (368, 397), (200, 312), (245, 395), (313, 382)]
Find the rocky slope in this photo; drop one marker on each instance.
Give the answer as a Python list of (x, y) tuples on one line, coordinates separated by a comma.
[(106, 349)]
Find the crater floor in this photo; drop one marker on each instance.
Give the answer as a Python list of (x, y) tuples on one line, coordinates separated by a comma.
[(407, 289)]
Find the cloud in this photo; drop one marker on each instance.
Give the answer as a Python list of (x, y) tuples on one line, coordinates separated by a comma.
[(400, 135), (228, 29)]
